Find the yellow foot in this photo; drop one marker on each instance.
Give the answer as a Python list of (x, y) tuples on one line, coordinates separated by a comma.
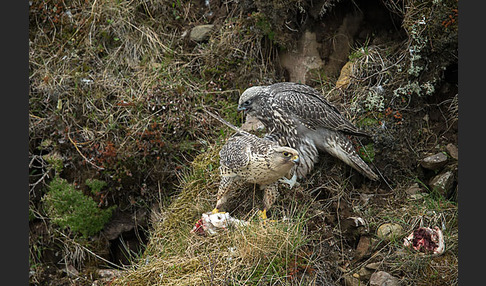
[(263, 214), (215, 211)]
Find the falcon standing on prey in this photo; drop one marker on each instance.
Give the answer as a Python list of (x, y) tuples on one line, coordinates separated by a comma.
[(297, 115), (246, 158)]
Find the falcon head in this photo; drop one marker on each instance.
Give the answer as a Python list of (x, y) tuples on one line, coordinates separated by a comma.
[(249, 99), (282, 159)]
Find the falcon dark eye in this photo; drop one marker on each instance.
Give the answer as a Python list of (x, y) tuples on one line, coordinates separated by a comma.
[(248, 102), (287, 154)]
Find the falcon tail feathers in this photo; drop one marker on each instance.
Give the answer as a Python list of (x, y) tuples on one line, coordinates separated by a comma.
[(351, 158), (363, 168)]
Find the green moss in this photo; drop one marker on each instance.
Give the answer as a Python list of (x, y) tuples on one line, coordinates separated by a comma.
[(366, 121), (367, 153), (95, 185), (46, 144), (70, 208)]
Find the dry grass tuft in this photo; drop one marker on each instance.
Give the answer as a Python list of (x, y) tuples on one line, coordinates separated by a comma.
[(258, 253), (274, 252), (198, 188), (249, 255)]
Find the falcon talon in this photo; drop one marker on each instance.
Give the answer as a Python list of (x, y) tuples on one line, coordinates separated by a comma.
[(262, 214), (291, 182)]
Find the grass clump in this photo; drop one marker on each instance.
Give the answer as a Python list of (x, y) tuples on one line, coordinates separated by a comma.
[(70, 208), (255, 254), (249, 255)]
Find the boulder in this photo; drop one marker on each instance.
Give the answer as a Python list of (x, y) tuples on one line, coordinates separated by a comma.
[(252, 124), (453, 151), (373, 265), (365, 273), (350, 280), (442, 183), (123, 222), (413, 189), (382, 278), (305, 58), (389, 231), (200, 33), (434, 162), (364, 246)]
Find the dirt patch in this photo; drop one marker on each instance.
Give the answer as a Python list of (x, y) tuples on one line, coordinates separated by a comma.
[(327, 40), (305, 59)]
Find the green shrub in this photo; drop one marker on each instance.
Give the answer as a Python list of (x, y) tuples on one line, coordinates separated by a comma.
[(68, 207), (95, 185)]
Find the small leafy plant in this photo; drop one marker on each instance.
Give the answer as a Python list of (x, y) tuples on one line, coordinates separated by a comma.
[(70, 208), (95, 185)]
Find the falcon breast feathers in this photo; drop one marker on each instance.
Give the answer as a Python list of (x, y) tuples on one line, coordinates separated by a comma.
[(249, 159)]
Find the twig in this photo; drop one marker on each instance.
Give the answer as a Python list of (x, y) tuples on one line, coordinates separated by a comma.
[(80, 153), (237, 129), (38, 181)]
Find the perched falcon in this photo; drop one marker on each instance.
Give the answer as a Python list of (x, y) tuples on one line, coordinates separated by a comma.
[(246, 158), (297, 115)]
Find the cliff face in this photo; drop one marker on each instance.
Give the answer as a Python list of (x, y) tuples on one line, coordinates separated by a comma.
[(115, 110)]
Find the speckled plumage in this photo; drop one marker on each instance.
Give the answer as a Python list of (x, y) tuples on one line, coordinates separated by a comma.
[(246, 158), (297, 115)]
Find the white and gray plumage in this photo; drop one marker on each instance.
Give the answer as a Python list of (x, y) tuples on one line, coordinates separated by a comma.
[(248, 159), (297, 115)]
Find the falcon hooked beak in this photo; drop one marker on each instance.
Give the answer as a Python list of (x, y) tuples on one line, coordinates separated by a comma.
[(296, 159), (245, 106), (242, 108)]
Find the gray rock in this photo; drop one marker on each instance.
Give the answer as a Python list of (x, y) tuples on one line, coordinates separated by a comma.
[(200, 33), (389, 231), (71, 271), (415, 192), (364, 246), (365, 273), (350, 280), (109, 273), (453, 151), (302, 61), (373, 265), (434, 162), (252, 124), (442, 183), (419, 196), (382, 278)]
